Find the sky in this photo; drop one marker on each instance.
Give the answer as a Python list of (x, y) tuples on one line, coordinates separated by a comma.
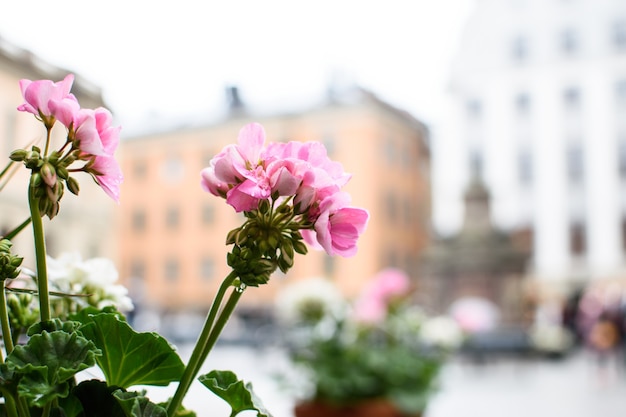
[(172, 60)]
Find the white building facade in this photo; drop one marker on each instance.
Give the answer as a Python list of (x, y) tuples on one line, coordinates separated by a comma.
[(538, 94)]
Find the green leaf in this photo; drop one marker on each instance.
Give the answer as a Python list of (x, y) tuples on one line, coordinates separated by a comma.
[(135, 404), (130, 358), (53, 325), (97, 399), (47, 361), (238, 395)]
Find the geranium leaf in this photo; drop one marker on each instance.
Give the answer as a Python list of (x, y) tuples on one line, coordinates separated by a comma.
[(131, 358), (137, 405), (238, 395), (47, 361)]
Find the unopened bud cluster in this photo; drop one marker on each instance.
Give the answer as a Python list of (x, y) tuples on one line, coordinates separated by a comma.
[(269, 239), (49, 174), (9, 264)]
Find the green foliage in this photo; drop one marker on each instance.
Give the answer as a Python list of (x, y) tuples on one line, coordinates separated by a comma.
[(48, 361), (136, 404), (97, 399), (130, 358), (361, 363), (238, 395)]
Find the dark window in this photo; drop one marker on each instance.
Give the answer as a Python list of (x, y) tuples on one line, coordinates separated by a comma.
[(525, 167), (577, 238), (172, 217), (522, 103), (620, 92), (575, 164), (207, 268), (474, 108), (138, 269), (208, 214), (571, 97), (619, 35), (140, 168), (622, 159), (519, 48), (172, 270), (569, 42), (139, 220)]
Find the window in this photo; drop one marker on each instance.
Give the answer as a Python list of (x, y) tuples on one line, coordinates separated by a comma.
[(207, 268), (519, 49), (329, 265), (575, 164), (619, 35), (577, 239), (140, 168), (571, 98), (138, 269), (525, 167), (172, 217), (172, 270), (568, 42), (620, 92), (622, 159), (208, 213), (522, 103), (474, 108), (139, 220)]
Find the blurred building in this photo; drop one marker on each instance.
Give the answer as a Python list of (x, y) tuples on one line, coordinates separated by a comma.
[(172, 233), (539, 103), (84, 222)]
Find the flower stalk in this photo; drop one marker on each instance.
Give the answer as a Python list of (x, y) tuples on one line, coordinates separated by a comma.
[(202, 347), (40, 254)]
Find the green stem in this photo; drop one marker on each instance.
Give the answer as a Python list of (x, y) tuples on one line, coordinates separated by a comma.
[(6, 169), (22, 406), (17, 230), (9, 403), (40, 255), (227, 311), (195, 361), (4, 321), (46, 409)]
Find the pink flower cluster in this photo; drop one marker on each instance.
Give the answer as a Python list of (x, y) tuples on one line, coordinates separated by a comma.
[(89, 130), (249, 172), (388, 284)]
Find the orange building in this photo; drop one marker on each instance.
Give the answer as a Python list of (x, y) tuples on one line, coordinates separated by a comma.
[(172, 233)]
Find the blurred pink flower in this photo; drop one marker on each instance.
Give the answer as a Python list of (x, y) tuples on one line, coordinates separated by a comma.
[(372, 306), (39, 95)]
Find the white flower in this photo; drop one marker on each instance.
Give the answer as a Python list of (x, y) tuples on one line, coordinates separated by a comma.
[(96, 277), (442, 331), (310, 300)]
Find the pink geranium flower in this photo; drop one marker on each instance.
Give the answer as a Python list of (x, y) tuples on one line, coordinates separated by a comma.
[(39, 95), (338, 227), (108, 175)]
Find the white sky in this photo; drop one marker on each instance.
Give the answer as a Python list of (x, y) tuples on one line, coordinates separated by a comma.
[(174, 58)]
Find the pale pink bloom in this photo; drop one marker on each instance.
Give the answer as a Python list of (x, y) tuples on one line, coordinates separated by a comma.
[(108, 175), (389, 283), (338, 227), (369, 311), (109, 135), (39, 94), (86, 133)]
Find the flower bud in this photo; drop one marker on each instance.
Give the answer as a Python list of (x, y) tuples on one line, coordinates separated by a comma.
[(48, 174), (72, 185), (35, 180), (18, 155), (62, 172), (264, 206)]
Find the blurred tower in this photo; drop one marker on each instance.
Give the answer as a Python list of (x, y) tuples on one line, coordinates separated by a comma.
[(538, 93)]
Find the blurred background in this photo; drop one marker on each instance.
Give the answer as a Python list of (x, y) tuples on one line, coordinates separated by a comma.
[(487, 138)]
